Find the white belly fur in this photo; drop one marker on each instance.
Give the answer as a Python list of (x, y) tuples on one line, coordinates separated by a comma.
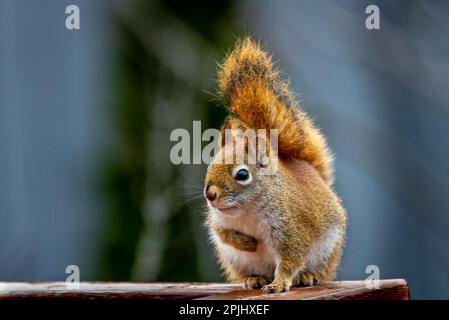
[(264, 260), (261, 262)]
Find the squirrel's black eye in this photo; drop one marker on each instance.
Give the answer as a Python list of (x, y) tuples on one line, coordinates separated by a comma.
[(242, 175)]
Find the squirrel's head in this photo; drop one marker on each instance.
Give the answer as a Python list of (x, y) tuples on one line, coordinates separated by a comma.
[(231, 186)]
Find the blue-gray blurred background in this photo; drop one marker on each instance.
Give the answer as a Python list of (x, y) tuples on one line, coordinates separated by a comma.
[(85, 118)]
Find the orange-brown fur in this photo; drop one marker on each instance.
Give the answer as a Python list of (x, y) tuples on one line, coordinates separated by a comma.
[(237, 239), (255, 92), (292, 216)]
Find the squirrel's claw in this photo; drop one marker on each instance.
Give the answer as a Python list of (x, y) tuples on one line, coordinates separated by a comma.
[(305, 279), (255, 282), (277, 286)]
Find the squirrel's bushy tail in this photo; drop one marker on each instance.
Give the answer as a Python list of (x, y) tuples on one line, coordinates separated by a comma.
[(253, 90)]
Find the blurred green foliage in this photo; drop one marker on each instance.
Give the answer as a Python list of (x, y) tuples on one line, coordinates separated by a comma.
[(165, 66)]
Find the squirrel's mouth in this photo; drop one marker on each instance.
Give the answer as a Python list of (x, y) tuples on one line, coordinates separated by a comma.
[(224, 206)]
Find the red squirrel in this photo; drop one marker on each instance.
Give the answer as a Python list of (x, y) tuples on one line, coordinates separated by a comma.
[(272, 231)]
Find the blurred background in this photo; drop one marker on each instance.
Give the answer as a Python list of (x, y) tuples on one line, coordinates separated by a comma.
[(85, 119)]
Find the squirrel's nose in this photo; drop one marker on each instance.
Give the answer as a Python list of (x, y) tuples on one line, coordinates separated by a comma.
[(210, 193)]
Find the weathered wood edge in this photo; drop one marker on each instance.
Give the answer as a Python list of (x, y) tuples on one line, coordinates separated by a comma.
[(389, 289), (111, 290), (395, 289)]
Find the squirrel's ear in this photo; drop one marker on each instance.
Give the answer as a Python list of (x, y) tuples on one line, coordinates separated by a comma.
[(231, 123), (263, 160)]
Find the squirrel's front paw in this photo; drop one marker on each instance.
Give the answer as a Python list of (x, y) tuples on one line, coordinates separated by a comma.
[(254, 282), (277, 286)]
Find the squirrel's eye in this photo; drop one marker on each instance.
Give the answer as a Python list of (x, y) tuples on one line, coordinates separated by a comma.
[(242, 175)]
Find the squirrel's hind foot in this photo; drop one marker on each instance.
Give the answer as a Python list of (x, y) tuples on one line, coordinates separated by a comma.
[(254, 282), (306, 279)]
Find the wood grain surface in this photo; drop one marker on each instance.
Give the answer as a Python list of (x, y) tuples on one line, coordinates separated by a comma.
[(339, 290)]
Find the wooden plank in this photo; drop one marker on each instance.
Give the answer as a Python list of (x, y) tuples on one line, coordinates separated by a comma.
[(389, 289), (339, 290), (112, 290)]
